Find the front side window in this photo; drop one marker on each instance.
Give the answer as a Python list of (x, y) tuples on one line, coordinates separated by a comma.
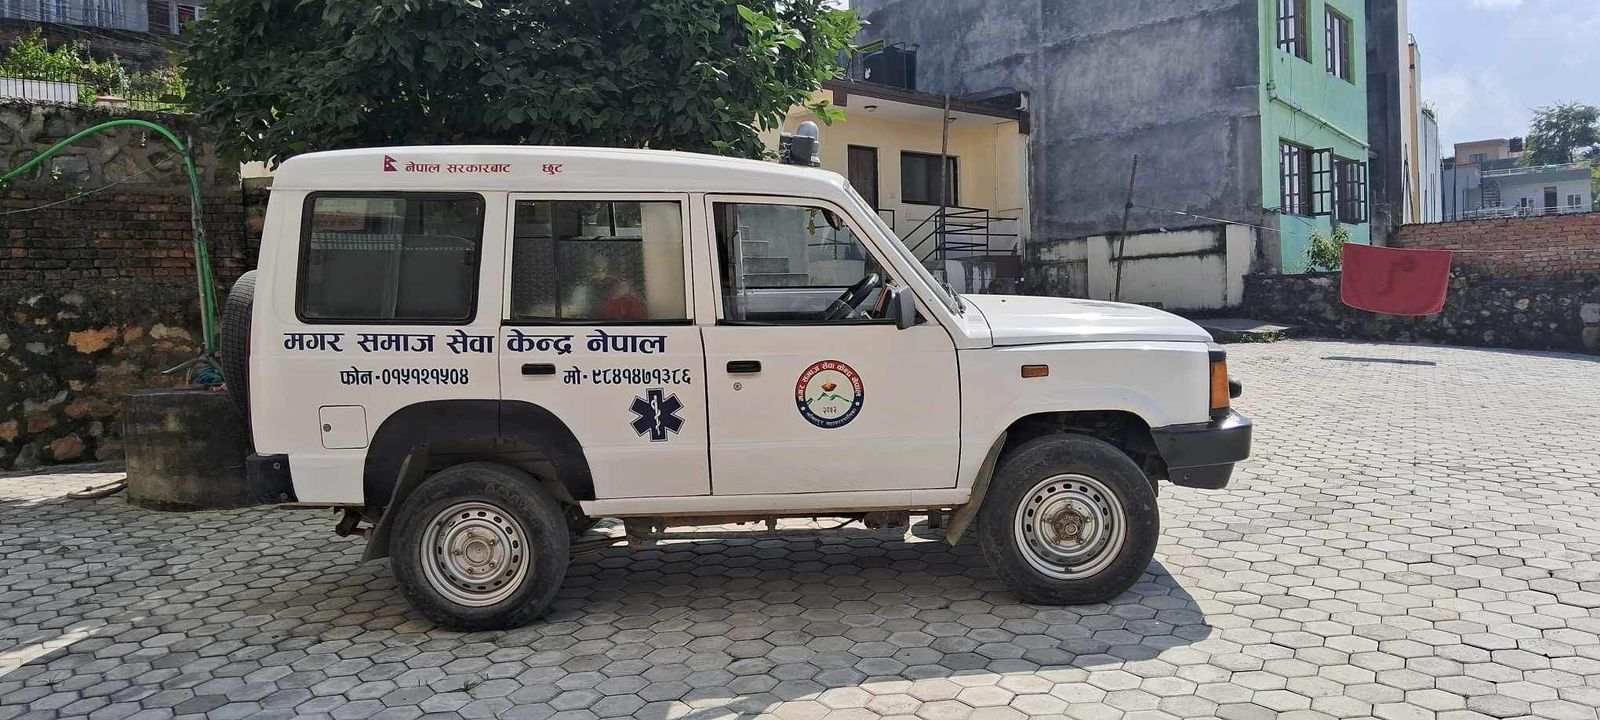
[(1339, 55), (597, 261), (1292, 28), (920, 178), (390, 258), (788, 263)]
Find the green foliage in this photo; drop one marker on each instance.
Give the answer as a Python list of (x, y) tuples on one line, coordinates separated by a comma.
[(280, 78), (1561, 133), (32, 58), (1325, 253)]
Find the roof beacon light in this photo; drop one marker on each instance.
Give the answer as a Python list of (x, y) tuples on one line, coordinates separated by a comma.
[(804, 147)]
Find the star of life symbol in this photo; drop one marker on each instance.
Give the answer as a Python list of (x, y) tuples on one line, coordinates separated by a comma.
[(656, 414)]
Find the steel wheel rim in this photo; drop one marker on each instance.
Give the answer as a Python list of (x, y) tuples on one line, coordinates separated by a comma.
[(1070, 526), (475, 554)]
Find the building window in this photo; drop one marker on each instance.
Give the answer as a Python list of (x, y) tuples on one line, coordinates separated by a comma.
[(1480, 158), (597, 261), (1292, 28), (1350, 191), (1295, 175), (919, 179), (1340, 58), (1574, 200), (390, 258)]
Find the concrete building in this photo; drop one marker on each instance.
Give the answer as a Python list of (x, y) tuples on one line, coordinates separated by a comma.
[(1244, 111), (134, 31), (1430, 201), (1392, 113), (889, 145), (164, 17)]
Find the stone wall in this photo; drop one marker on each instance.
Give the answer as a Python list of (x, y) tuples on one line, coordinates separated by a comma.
[(97, 288), (1517, 248), (1482, 310), (68, 357)]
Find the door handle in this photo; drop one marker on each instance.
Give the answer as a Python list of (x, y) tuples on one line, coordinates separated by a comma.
[(538, 369), (744, 367)]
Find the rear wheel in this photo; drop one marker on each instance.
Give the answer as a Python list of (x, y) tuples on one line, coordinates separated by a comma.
[(480, 546), (1068, 519)]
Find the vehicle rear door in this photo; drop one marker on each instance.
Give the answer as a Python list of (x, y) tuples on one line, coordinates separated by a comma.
[(598, 329)]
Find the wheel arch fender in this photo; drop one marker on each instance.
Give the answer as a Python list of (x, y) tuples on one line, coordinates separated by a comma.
[(1128, 431), (427, 436)]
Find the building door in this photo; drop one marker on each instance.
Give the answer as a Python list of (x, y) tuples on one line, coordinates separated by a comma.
[(1550, 199), (802, 397), (863, 162)]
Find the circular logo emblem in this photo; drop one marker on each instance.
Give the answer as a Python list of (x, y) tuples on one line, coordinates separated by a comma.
[(829, 394)]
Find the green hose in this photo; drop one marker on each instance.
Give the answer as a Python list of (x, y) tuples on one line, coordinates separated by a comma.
[(202, 251)]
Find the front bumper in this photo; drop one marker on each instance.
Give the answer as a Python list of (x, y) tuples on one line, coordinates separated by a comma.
[(1202, 455)]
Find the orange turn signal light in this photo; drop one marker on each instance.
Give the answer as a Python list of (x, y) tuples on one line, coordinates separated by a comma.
[(1035, 371), (1220, 396)]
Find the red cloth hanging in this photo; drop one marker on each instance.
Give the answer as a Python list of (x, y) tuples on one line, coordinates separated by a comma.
[(1395, 281)]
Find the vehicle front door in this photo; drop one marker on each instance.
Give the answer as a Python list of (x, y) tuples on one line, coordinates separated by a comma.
[(799, 402), (598, 330)]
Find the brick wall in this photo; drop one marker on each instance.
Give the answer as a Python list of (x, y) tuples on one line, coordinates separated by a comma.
[(113, 207), (133, 237), (1520, 248)]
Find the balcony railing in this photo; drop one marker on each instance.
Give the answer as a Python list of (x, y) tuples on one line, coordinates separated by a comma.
[(82, 13), (1532, 169), (1521, 211)]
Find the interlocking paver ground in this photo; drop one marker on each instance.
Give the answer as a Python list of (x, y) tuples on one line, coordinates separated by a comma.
[(1412, 539)]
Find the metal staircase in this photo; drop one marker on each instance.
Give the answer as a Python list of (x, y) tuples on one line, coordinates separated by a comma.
[(972, 236)]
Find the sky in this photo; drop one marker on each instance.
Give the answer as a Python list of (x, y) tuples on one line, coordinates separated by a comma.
[(1487, 63)]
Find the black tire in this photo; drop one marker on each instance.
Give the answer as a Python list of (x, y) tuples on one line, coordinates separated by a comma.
[(236, 341), (1064, 460), (530, 516)]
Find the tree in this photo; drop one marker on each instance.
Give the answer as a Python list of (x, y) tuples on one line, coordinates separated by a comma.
[(276, 78), (1561, 132)]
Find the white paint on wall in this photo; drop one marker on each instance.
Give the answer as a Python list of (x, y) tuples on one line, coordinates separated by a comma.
[(1199, 269)]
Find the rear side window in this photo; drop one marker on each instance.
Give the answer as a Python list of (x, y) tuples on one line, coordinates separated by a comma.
[(390, 258), (597, 261)]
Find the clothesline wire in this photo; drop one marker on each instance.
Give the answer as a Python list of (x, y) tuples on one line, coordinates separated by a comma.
[(83, 194), (1286, 232)]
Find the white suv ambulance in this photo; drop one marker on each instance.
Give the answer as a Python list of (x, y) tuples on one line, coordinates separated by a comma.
[(479, 351)]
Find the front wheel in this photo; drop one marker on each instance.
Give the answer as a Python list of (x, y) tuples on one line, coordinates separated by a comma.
[(480, 546), (1068, 520)]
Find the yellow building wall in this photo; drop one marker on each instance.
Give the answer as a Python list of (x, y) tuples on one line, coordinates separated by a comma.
[(990, 157)]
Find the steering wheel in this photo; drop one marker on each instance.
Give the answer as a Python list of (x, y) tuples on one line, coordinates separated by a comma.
[(844, 307)]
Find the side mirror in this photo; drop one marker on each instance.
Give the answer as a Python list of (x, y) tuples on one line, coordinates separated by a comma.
[(903, 308)]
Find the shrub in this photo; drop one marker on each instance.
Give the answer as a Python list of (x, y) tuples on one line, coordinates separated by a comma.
[(1325, 253)]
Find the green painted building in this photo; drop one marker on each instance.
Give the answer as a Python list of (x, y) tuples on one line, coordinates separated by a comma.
[(1314, 146)]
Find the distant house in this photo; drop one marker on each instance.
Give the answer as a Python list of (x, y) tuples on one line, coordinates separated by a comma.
[(890, 145), (133, 30), (1486, 179)]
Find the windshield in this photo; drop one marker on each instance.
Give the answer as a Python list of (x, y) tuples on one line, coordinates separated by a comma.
[(951, 302)]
